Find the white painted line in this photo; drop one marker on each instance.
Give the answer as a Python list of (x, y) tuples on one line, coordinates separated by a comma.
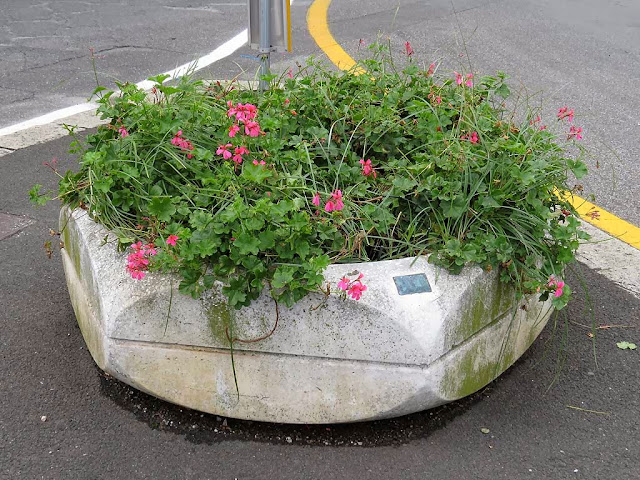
[(219, 53)]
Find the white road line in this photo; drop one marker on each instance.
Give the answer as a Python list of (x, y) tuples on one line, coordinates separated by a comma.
[(219, 53)]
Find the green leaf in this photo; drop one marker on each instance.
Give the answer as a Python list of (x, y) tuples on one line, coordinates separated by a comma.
[(247, 243), (455, 208), (282, 276), (162, 208), (159, 79), (255, 173), (626, 345), (36, 197)]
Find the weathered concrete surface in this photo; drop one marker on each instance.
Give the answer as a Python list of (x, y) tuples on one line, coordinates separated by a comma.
[(330, 360)]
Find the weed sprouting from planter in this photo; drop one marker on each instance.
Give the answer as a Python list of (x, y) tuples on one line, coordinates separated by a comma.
[(330, 167)]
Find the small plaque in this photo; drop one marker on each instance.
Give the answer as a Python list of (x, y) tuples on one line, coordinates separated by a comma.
[(409, 284)]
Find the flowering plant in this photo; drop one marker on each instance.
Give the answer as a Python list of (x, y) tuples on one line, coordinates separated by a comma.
[(255, 189)]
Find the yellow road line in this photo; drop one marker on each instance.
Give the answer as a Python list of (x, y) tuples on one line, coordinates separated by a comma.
[(319, 28), (606, 221)]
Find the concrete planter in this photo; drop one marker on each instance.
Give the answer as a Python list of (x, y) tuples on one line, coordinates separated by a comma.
[(418, 338)]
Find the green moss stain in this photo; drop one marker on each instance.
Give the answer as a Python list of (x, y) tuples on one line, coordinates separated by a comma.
[(472, 371), (72, 247), (485, 303), (220, 319)]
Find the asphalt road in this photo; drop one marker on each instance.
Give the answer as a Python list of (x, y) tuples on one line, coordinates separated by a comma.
[(97, 427)]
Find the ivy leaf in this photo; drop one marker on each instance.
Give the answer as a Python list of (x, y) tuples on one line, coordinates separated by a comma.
[(626, 346), (267, 239), (247, 243), (302, 248), (282, 276), (36, 197), (255, 173), (454, 208), (162, 208)]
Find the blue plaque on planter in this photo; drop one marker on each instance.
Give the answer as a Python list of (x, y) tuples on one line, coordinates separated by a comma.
[(408, 284)]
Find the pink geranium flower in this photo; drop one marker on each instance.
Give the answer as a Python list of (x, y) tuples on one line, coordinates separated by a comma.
[(356, 290), (138, 260), (123, 132), (252, 128), (575, 133), (224, 151), (261, 162), (316, 199), (335, 202), (233, 130), (459, 78), (407, 49), (171, 240), (469, 82), (185, 145), (367, 168), (343, 284), (564, 112)]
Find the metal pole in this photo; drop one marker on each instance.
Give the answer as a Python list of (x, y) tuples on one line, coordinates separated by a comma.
[(265, 42)]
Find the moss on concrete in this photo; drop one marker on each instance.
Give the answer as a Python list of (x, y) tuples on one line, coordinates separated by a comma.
[(220, 319), (485, 303)]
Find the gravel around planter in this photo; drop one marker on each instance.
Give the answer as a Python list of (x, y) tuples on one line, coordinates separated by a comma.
[(328, 361)]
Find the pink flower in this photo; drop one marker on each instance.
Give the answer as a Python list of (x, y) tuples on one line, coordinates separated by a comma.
[(123, 132), (223, 150), (356, 289), (469, 82), (343, 284), (438, 100), (558, 285), (290, 73), (241, 150), (474, 138), (575, 133), (137, 274), (330, 206), (261, 162), (459, 78), (286, 102), (237, 159), (233, 129), (432, 68), (367, 168), (252, 128), (335, 203), (171, 240), (407, 49), (316, 199), (565, 112), (185, 145), (138, 260)]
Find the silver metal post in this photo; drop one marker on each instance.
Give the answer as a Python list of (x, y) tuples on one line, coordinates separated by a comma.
[(265, 43)]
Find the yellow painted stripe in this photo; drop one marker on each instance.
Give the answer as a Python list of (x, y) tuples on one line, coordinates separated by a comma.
[(289, 25), (319, 28), (599, 217)]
